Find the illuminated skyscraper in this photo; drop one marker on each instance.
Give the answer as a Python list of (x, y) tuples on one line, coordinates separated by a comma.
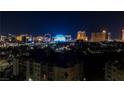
[(68, 37), (24, 38), (81, 35), (122, 34), (99, 36), (19, 38), (109, 36), (104, 35)]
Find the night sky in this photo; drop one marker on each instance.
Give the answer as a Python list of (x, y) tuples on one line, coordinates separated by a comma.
[(39, 23)]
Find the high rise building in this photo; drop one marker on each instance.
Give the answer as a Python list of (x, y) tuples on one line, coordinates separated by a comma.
[(18, 38), (15, 67), (114, 71), (21, 67), (3, 64), (68, 37), (81, 35), (24, 38), (122, 34), (109, 36), (99, 36)]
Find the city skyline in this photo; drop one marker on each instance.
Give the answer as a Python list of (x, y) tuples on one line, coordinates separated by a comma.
[(56, 22), (61, 46)]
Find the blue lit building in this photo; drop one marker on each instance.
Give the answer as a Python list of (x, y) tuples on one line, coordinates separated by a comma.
[(59, 38)]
